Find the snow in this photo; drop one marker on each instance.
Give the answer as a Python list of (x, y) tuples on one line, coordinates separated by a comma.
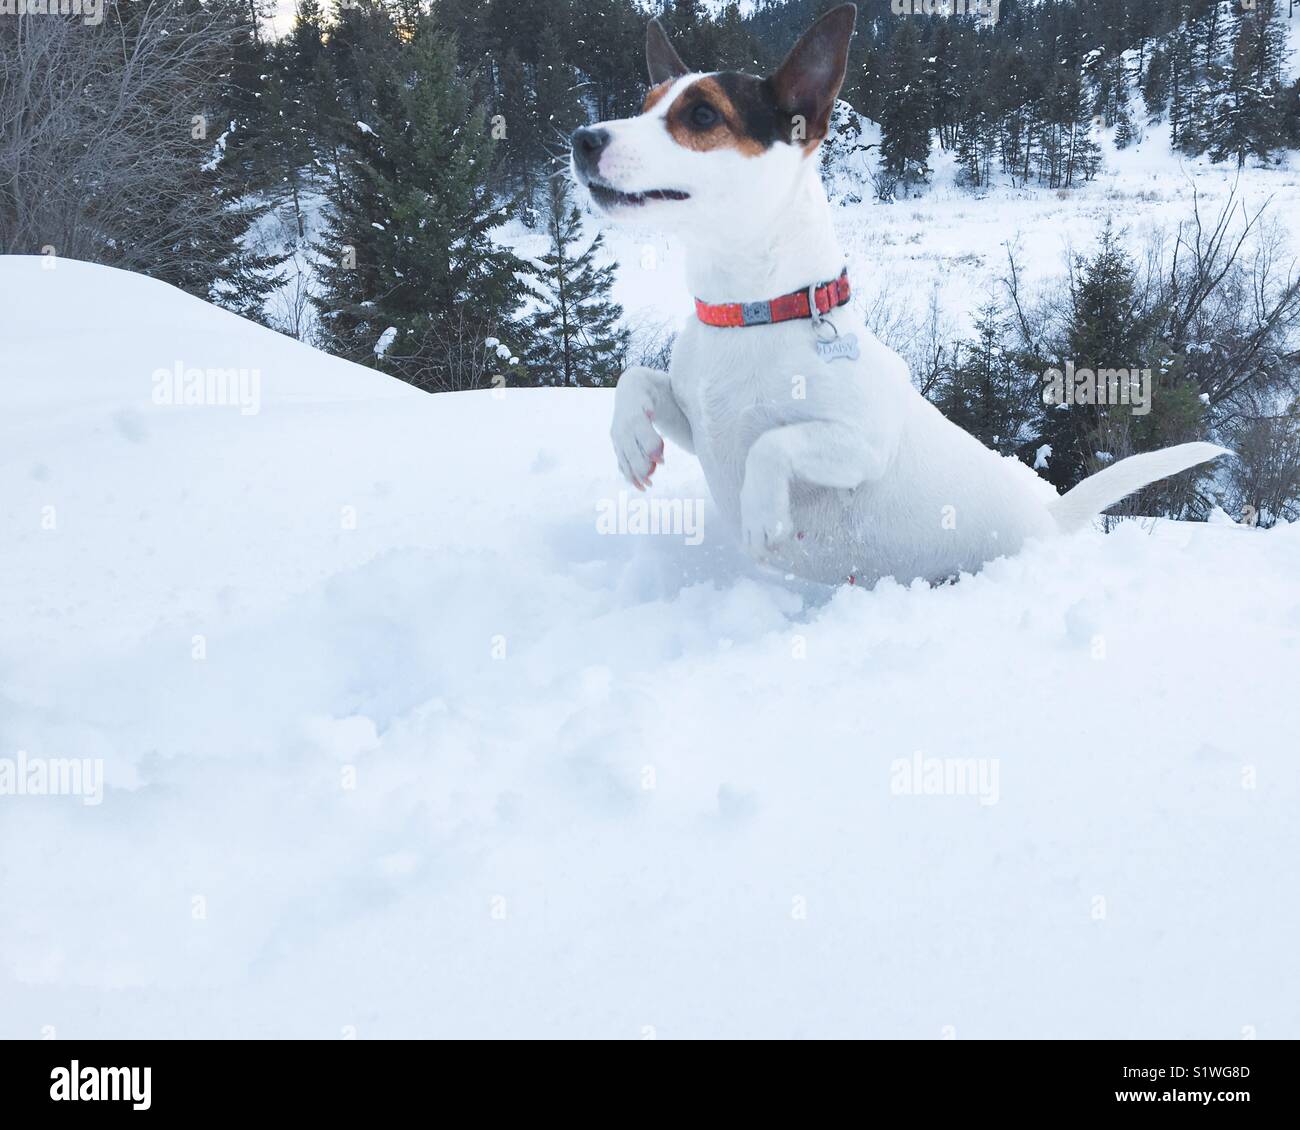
[(218, 151), (385, 341), (396, 741)]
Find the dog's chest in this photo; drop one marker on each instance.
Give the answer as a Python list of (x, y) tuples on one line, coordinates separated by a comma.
[(736, 384)]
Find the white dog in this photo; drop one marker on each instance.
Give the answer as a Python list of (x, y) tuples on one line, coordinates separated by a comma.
[(817, 449)]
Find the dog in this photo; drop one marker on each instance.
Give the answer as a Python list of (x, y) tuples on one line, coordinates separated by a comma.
[(821, 456)]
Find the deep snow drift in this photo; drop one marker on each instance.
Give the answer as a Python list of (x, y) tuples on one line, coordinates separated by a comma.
[(400, 739)]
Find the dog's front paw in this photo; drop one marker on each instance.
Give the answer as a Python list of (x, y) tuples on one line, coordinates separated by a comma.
[(638, 448), (765, 518)]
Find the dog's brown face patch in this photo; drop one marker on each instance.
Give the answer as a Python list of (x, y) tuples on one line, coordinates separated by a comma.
[(727, 111), (656, 93)]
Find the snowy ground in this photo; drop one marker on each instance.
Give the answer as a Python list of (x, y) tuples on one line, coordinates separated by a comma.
[(398, 742)]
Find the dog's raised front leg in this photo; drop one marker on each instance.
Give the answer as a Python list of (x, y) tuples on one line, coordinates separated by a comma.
[(820, 452), (644, 406)]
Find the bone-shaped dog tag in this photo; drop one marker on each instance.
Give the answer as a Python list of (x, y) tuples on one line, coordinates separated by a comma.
[(844, 347)]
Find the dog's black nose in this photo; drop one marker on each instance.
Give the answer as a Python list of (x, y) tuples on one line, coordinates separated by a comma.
[(588, 145)]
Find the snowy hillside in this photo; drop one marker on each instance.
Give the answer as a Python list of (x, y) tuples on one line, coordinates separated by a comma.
[(404, 731)]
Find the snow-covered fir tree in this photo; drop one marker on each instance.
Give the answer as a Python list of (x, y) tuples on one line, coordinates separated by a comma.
[(574, 334), (409, 245)]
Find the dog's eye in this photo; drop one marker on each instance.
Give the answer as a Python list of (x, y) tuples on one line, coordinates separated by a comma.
[(704, 116)]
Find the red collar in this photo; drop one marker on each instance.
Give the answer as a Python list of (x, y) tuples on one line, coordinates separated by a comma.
[(787, 308)]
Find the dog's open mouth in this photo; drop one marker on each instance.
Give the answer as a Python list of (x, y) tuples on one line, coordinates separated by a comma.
[(608, 197)]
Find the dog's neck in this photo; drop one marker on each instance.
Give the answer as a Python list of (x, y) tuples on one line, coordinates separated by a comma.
[(797, 250)]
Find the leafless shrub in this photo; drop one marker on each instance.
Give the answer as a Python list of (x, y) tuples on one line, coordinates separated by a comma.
[(651, 343), (924, 342), (98, 157), (1263, 481), (290, 310), (454, 355)]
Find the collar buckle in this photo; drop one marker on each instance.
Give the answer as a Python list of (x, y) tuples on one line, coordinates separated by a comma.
[(816, 315)]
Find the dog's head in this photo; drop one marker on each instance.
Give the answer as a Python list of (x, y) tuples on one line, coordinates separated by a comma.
[(717, 152)]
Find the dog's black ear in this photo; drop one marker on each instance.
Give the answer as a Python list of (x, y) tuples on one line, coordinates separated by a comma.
[(660, 57), (808, 81)]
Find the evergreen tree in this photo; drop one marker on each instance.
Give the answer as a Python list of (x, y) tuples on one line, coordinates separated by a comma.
[(977, 139), (945, 90), (1109, 328), (613, 62), (906, 115), (986, 391), (289, 155), (307, 75), (735, 47), (246, 120), (1182, 92), (574, 337), (408, 248), (1247, 119), (558, 109), (1290, 115), (216, 260), (1067, 153), (1155, 85), (305, 42), (515, 109)]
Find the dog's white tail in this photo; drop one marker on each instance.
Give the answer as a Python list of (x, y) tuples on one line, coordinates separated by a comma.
[(1078, 506)]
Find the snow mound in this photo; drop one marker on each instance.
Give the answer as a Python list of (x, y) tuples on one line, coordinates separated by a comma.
[(404, 731)]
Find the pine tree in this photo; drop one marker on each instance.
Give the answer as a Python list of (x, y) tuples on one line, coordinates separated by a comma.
[(613, 62), (734, 46), (217, 260), (307, 74), (289, 155), (986, 391), (515, 110), (945, 89), (1121, 115), (248, 148), (906, 115), (409, 246), (1247, 117), (1155, 85), (977, 137), (1109, 328), (574, 337), (558, 110), (1290, 114), (1067, 153), (306, 42), (1182, 91)]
